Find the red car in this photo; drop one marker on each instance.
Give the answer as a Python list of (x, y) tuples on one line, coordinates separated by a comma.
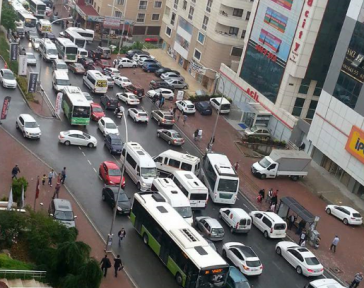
[(96, 112), (103, 63), (110, 173)]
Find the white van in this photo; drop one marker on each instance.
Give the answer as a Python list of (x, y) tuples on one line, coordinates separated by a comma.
[(192, 187), (169, 161), (269, 223), (174, 196), (222, 104), (60, 65), (60, 80), (95, 81), (139, 165), (237, 219), (48, 50), (82, 53)]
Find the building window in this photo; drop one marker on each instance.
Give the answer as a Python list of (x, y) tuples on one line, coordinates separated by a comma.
[(190, 14), (118, 14), (318, 89), (236, 51), (120, 2), (167, 11), (201, 38), (247, 15), (193, 1), (347, 89), (208, 6), (243, 34), (98, 9), (184, 5), (158, 4), (297, 109), (311, 109), (238, 12), (233, 31), (143, 5), (197, 55), (175, 5), (168, 31), (305, 84), (141, 18), (205, 22), (155, 17), (173, 18)]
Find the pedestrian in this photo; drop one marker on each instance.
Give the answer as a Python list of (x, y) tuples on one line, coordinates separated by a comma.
[(118, 265), (154, 99), (178, 116), (184, 119), (357, 279), (274, 199), (171, 110), (236, 166), (51, 175), (300, 227), (268, 199), (63, 175), (334, 243), (199, 135), (195, 134), (262, 193), (174, 111), (302, 237), (44, 178), (291, 220), (56, 190), (15, 171), (161, 102), (272, 208), (121, 235), (105, 264), (303, 243), (275, 193)]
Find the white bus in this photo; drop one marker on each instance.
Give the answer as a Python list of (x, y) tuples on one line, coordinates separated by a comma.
[(88, 34), (186, 254), (76, 38), (44, 26), (95, 81), (67, 50), (75, 106), (28, 19), (220, 178), (38, 8)]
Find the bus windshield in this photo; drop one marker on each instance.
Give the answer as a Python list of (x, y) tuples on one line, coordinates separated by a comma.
[(80, 43), (185, 212), (81, 112), (227, 185), (212, 278), (71, 50)]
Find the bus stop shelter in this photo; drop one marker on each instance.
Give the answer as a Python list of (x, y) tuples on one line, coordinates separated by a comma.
[(289, 205)]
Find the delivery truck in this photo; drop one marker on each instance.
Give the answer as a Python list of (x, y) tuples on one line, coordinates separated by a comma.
[(291, 163)]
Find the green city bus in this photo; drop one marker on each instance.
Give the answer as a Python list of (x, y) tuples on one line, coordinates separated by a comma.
[(67, 50), (75, 106), (186, 254)]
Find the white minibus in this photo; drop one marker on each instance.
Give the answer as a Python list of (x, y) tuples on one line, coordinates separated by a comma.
[(95, 81)]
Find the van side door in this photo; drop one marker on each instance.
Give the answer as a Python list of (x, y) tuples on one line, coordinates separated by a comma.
[(272, 170)]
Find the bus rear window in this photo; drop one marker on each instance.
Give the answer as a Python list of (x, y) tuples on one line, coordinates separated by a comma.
[(198, 196)]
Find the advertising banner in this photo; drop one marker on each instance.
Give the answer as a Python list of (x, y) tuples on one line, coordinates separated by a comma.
[(5, 109), (276, 20), (355, 143), (112, 22), (284, 3), (22, 68), (13, 51), (58, 103), (32, 82)]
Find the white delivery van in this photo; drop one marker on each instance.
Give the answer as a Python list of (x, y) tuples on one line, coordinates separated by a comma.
[(222, 104), (60, 80), (169, 161), (269, 223), (174, 196), (192, 187), (139, 165), (237, 219), (48, 50)]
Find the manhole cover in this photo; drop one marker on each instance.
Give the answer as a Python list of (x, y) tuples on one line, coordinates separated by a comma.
[(336, 270)]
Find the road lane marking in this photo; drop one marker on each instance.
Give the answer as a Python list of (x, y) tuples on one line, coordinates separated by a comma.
[(89, 162), (100, 178), (95, 170), (79, 147), (275, 264), (84, 154)]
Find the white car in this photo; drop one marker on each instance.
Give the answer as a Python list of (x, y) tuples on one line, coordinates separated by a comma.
[(110, 82), (88, 97), (169, 75), (128, 98), (324, 283), (138, 115), (166, 93), (28, 126), (107, 126), (113, 72), (347, 214), (138, 57), (122, 81), (302, 259), (243, 257), (126, 63), (76, 137), (35, 43), (7, 78), (186, 106), (31, 60)]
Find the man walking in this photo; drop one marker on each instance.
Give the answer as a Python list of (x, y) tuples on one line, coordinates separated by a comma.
[(184, 119), (51, 175), (56, 191), (334, 243), (236, 166), (291, 220), (105, 264), (15, 171), (357, 279), (118, 265), (63, 175), (121, 235)]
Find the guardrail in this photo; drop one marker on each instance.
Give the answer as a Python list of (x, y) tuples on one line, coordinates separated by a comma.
[(48, 102), (22, 274)]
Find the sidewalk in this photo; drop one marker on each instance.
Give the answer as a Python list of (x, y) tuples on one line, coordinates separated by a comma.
[(31, 166)]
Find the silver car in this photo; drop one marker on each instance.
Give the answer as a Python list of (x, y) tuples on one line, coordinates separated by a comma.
[(210, 228), (177, 83), (258, 132), (163, 117), (171, 136)]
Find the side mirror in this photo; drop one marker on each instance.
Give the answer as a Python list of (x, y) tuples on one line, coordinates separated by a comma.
[(74, 217)]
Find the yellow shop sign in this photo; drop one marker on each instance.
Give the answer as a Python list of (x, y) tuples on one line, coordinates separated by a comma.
[(355, 144)]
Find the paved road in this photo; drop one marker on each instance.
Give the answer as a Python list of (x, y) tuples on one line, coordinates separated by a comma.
[(82, 165)]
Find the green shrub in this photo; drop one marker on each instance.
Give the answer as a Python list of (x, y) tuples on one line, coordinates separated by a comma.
[(23, 83), (17, 188), (7, 263), (4, 51)]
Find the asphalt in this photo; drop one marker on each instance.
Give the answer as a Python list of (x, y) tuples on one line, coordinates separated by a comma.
[(82, 164)]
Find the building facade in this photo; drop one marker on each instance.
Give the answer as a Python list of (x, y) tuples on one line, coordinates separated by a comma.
[(205, 33), (287, 52), (337, 129)]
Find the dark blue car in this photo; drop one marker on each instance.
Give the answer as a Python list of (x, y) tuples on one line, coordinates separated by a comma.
[(204, 107), (151, 67), (114, 143)]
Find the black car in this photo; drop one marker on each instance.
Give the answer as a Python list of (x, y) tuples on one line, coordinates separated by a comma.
[(162, 70), (137, 90), (93, 66), (204, 107), (85, 61), (55, 17), (155, 84), (132, 52), (49, 35), (113, 143), (29, 34), (110, 194), (109, 101)]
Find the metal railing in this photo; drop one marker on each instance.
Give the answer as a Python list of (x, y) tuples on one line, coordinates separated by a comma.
[(22, 274)]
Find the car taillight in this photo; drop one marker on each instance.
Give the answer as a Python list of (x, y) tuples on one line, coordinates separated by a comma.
[(174, 141), (108, 103), (173, 121), (271, 230), (246, 267), (137, 116), (60, 136), (310, 270), (261, 266), (163, 120)]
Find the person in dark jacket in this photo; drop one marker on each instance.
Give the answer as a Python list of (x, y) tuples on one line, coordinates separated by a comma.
[(357, 279), (118, 265), (15, 171), (105, 264)]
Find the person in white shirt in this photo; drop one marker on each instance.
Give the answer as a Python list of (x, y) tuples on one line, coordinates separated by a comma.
[(334, 243)]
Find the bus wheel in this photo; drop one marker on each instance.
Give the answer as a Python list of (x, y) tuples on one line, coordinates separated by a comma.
[(179, 279), (145, 239)]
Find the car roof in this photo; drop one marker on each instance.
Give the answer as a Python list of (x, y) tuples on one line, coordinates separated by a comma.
[(111, 164), (187, 101), (95, 104), (223, 101), (107, 119), (245, 250), (7, 71), (29, 53), (350, 209), (62, 205), (74, 132), (113, 136), (326, 283), (272, 216), (27, 117), (239, 212), (129, 93), (213, 222)]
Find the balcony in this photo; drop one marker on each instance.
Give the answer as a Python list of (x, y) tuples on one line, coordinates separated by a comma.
[(228, 34), (239, 4), (226, 18)]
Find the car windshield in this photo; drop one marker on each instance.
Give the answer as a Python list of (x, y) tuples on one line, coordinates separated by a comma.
[(217, 231), (31, 125), (264, 163), (81, 112), (9, 76), (227, 185), (62, 66), (114, 172), (110, 126), (64, 215), (176, 135), (148, 172), (63, 82), (116, 141), (255, 263), (52, 51), (122, 197), (97, 109), (312, 261), (30, 56), (185, 212), (168, 117)]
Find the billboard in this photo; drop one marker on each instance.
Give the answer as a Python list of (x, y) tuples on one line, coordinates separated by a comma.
[(13, 51), (276, 20), (284, 3), (22, 67), (5, 109), (355, 144), (32, 82)]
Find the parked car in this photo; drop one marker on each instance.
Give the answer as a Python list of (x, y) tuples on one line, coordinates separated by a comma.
[(85, 61), (61, 210), (107, 126), (138, 115), (112, 72), (162, 70), (243, 257), (110, 82), (77, 137), (76, 68), (172, 137), (110, 195), (29, 34), (113, 143), (143, 61), (302, 259), (96, 112), (172, 75), (126, 63), (150, 67), (110, 173), (177, 83), (7, 78), (258, 132), (31, 60), (88, 97), (236, 279), (203, 107), (137, 90), (103, 63), (210, 228), (128, 98), (93, 66), (186, 107), (129, 54), (346, 214), (28, 126), (155, 84), (122, 81), (222, 104), (138, 57), (109, 101), (166, 93), (163, 117)]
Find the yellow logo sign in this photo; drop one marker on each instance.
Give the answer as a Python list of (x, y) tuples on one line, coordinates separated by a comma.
[(355, 144)]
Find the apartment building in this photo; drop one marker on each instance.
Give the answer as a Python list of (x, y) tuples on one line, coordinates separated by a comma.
[(143, 17), (205, 33)]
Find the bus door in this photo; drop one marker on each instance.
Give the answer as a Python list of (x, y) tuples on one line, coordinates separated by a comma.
[(165, 246)]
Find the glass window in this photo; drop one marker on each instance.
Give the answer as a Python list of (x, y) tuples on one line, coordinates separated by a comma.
[(175, 5), (233, 31), (143, 5), (208, 6), (190, 14), (141, 17), (182, 41), (155, 17), (120, 2), (347, 90), (201, 37), (168, 31), (305, 84), (158, 4), (238, 12), (243, 34), (187, 167), (131, 161), (174, 163), (247, 15), (184, 5), (210, 174), (197, 54), (205, 22), (173, 18), (267, 222), (311, 109), (118, 14), (297, 109)]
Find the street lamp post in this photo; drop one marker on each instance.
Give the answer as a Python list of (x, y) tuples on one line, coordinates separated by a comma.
[(123, 16), (112, 15), (110, 235)]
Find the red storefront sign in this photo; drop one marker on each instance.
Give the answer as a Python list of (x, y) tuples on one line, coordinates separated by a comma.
[(252, 94), (264, 51)]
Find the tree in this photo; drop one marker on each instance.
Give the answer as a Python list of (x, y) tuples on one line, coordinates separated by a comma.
[(8, 16), (17, 188)]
